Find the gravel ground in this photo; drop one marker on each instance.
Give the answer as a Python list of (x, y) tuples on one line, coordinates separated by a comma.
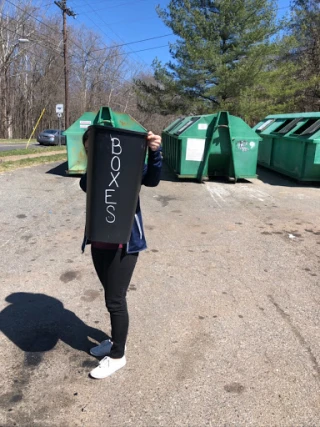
[(224, 307)]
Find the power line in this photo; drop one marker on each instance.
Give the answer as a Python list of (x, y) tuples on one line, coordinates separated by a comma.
[(142, 50), (80, 3), (110, 29), (136, 51), (41, 57), (143, 40), (134, 2), (132, 21), (153, 38), (31, 52), (32, 16), (110, 7), (138, 41), (33, 41), (51, 28), (52, 46), (153, 18), (284, 7), (124, 44), (89, 54), (47, 43), (46, 25)]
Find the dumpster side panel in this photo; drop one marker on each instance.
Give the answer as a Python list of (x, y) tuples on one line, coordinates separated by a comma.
[(176, 155), (265, 150), (245, 156), (312, 163), (195, 140), (220, 152), (290, 144), (184, 144), (192, 155), (218, 163), (245, 146), (170, 145), (77, 158), (288, 156)]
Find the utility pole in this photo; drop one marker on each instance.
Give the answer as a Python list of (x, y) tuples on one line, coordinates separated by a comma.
[(65, 11)]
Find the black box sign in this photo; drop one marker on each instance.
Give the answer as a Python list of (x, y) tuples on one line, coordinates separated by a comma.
[(115, 165)]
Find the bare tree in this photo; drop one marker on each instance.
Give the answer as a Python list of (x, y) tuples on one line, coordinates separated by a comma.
[(32, 74)]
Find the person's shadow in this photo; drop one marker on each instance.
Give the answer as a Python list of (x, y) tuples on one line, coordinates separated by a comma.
[(35, 323)]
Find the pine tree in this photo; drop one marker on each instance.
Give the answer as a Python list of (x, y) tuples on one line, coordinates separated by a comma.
[(305, 27), (221, 49)]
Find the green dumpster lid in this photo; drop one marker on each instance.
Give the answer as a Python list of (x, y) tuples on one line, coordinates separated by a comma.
[(309, 128), (303, 124), (287, 125), (106, 116), (186, 125), (294, 116), (174, 124)]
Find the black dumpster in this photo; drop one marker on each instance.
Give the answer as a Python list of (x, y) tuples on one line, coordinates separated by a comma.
[(115, 164)]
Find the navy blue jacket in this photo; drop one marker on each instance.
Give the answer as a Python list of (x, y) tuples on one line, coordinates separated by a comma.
[(150, 178)]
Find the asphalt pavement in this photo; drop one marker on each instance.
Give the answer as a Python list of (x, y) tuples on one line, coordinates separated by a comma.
[(15, 146), (224, 307)]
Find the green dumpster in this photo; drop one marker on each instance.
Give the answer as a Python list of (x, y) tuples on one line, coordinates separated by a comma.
[(211, 145), (291, 145), (77, 159)]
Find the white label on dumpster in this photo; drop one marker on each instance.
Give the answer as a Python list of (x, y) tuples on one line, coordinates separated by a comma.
[(85, 123), (202, 126), (195, 149)]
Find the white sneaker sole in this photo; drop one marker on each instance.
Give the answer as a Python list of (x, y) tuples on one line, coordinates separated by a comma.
[(101, 372)]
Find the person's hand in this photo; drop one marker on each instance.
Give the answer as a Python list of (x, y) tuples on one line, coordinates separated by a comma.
[(154, 141)]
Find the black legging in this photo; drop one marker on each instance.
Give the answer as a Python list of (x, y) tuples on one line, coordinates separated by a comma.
[(115, 269)]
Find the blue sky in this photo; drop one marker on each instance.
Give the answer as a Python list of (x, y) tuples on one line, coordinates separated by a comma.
[(124, 21)]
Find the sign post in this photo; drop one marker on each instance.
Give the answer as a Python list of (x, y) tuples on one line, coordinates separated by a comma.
[(59, 111)]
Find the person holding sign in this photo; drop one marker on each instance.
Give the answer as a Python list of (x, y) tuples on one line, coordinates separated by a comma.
[(114, 265)]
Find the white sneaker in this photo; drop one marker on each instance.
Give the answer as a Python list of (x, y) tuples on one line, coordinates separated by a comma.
[(101, 350), (107, 367)]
